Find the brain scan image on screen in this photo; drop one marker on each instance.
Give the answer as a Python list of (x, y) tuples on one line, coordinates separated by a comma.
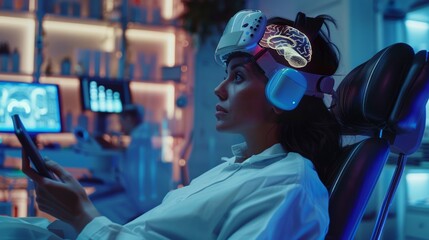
[(17, 102), (289, 42), (37, 104)]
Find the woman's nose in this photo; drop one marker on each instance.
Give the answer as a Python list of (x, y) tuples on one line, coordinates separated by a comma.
[(220, 92)]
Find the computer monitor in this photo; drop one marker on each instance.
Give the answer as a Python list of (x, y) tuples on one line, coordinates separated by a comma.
[(37, 104), (104, 95)]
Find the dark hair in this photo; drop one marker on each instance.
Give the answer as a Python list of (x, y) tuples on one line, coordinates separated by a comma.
[(312, 131), (134, 111), (311, 128)]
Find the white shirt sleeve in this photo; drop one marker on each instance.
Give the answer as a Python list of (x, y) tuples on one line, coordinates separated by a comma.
[(277, 212), (282, 200), (298, 217), (103, 228)]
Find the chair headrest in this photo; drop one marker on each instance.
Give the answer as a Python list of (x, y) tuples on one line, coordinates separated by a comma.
[(408, 118), (413, 97), (367, 95), (409, 142)]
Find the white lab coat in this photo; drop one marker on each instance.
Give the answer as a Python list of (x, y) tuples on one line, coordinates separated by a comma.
[(272, 195)]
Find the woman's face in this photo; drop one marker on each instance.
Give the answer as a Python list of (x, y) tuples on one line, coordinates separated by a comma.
[(242, 105)]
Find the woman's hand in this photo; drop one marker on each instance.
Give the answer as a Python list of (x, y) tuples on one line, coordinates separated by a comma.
[(65, 198)]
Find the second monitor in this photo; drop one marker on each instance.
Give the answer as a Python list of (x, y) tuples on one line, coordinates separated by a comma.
[(104, 95)]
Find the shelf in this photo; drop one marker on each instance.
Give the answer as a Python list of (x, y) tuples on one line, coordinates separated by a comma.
[(16, 77), (18, 15), (83, 21), (65, 33), (20, 29), (95, 45), (100, 22), (150, 46)]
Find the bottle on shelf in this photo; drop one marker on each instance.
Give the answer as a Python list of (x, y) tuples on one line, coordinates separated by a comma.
[(48, 69), (138, 12), (15, 59), (156, 14), (66, 66), (7, 5), (95, 9), (4, 57)]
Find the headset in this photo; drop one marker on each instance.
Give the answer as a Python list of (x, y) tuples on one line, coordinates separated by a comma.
[(247, 31)]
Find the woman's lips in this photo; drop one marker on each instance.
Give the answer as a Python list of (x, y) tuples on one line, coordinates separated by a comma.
[(220, 111)]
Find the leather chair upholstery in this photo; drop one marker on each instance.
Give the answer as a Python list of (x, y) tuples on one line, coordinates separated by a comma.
[(406, 126), (384, 99)]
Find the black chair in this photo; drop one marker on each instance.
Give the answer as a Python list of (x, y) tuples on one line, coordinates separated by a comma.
[(383, 99)]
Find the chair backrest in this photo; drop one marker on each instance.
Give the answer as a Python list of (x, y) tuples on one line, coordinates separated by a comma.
[(406, 126), (384, 99), (352, 188), (407, 120)]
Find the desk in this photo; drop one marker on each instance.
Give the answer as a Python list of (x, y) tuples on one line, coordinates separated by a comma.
[(13, 193), (102, 164), (149, 178)]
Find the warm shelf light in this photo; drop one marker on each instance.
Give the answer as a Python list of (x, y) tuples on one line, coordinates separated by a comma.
[(26, 28), (166, 90), (16, 77), (32, 5), (167, 10), (107, 33), (169, 40)]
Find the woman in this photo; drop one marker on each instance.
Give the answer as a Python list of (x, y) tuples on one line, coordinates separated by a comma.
[(269, 189)]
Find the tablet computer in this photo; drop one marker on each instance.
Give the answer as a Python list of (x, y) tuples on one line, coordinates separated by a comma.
[(30, 147)]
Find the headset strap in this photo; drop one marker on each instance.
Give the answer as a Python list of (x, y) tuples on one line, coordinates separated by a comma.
[(317, 85)]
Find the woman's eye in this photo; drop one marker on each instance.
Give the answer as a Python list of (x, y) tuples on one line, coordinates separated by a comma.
[(238, 78)]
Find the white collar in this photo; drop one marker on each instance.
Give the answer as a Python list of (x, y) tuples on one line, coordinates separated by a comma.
[(239, 150)]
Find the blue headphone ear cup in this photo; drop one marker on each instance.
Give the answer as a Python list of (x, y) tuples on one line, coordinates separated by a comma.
[(286, 88)]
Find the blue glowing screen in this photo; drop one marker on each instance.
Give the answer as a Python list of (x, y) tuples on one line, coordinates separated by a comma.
[(104, 95), (37, 104)]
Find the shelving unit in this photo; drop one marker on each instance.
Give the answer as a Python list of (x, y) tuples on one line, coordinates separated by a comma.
[(20, 29), (94, 48), (149, 47)]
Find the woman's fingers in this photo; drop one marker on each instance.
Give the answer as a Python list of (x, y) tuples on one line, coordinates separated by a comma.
[(64, 198), (28, 170), (60, 172)]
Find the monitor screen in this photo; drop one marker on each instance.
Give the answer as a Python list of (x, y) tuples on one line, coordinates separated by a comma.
[(104, 95), (37, 104)]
